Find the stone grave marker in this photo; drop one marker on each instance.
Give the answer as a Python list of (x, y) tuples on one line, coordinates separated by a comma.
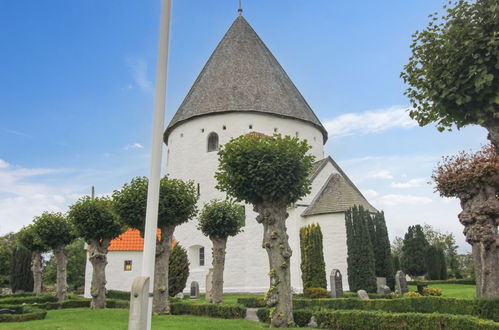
[(384, 289), (380, 282), (363, 294), (401, 283), (209, 285), (336, 284), (194, 290)]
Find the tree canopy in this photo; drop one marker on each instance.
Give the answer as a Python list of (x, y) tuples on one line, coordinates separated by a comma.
[(256, 167), (177, 202), (53, 229), (94, 219), (29, 238), (221, 219), (453, 71), (414, 251)]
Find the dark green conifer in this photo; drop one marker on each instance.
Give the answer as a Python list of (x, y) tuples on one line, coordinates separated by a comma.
[(313, 267), (382, 252), (414, 252)]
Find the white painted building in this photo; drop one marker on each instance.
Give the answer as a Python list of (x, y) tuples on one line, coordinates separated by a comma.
[(242, 89)]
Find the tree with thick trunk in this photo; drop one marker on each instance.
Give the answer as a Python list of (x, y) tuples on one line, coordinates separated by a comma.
[(474, 179), (55, 232), (452, 73), (95, 221), (177, 204), (29, 238), (271, 173), (219, 220)]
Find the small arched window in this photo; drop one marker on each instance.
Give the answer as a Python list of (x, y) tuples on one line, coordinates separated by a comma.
[(212, 142)]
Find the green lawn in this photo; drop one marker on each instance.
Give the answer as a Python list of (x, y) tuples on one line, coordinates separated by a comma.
[(116, 319), (453, 290)]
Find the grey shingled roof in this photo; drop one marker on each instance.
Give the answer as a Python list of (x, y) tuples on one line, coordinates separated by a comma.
[(338, 194), (242, 75)]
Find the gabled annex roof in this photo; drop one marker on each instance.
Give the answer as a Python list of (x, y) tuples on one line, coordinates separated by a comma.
[(338, 194), (242, 75)]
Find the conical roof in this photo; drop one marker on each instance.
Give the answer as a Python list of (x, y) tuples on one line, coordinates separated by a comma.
[(242, 75)]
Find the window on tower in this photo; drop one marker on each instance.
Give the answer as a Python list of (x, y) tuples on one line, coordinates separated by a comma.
[(212, 142)]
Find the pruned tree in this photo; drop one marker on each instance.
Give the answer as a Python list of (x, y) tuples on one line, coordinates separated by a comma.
[(414, 251), (452, 73), (218, 220), (55, 232), (77, 257), (382, 252), (313, 267), (474, 179), (177, 204), (29, 238), (178, 270), (271, 173), (360, 256), (95, 221)]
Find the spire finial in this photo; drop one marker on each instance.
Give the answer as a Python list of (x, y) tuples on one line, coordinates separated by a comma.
[(240, 9)]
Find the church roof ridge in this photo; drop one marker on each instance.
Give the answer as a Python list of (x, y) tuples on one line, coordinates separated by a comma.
[(242, 75)]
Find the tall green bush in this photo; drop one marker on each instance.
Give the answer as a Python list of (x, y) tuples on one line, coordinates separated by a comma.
[(432, 263), (382, 252), (21, 277), (313, 267), (414, 251), (178, 270), (361, 265)]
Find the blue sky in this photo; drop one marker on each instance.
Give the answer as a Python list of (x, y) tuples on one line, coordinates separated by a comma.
[(77, 85)]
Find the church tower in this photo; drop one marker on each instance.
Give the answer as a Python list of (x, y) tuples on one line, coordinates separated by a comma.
[(242, 88)]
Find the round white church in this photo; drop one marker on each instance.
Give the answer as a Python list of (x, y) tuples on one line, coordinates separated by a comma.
[(241, 89)]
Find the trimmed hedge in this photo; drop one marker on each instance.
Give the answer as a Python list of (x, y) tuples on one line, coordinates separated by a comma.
[(23, 317), (19, 300), (120, 295), (451, 281), (354, 320), (253, 302), (302, 316), (487, 308), (400, 305), (211, 310)]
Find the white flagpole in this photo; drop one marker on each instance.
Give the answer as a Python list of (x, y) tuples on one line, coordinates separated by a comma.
[(157, 144)]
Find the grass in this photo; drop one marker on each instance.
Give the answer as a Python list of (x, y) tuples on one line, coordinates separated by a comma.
[(87, 319), (453, 290)]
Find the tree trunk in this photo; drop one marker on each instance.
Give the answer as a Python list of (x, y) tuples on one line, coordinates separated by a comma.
[(98, 258), (218, 252), (480, 217), (62, 274), (36, 268), (161, 302), (275, 240), (492, 126)]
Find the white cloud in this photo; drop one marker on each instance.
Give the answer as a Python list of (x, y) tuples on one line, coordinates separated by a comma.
[(394, 199), (412, 183), (370, 193), (138, 70), (3, 164), (381, 174), (133, 146), (369, 122)]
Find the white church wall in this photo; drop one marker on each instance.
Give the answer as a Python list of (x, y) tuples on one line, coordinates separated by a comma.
[(116, 276), (246, 261)]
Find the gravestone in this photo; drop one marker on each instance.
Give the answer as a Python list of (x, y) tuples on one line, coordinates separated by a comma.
[(336, 284), (380, 282), (363, 294), (180, 295), (209, 285), (401, 283), (194, 290)]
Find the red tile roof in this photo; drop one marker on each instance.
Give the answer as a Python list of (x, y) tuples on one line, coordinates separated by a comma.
[(129, 241)]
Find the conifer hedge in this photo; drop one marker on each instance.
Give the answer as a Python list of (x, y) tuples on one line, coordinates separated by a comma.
[(361, 265), (313, 267), (382, 252)]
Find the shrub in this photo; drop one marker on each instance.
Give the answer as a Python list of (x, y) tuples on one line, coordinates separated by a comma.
[(316, 293), (432, 292), (18, 300), (252, 302), (120, 295), (487, 308), (354, 320), (302, 316), (178, 270), (114, 303), (211, 310), (29, 316), (451, 281)]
